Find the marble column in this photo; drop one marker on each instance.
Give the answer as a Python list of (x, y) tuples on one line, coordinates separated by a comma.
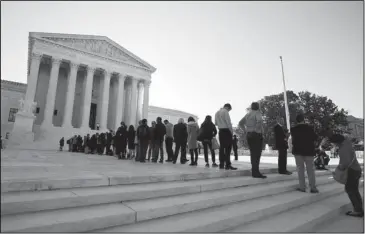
[(33, 77), (139, 102), (146, 96), (119, 108), (51, 93), (70, 95), (105, 100), (87, 98), (133, 103)]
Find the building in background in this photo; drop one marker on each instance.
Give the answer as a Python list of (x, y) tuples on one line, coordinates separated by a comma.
[(12, 92)]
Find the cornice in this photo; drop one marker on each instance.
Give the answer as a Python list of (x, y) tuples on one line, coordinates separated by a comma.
[(159, 110), (46, 41), (14, 86)]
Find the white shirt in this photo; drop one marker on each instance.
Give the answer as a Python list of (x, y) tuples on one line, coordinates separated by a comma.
[(223, 120)]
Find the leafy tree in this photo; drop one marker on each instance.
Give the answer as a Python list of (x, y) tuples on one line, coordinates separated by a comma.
[(319, 111)]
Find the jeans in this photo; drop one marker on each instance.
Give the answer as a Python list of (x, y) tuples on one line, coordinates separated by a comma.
[(254, 141), (157, 148), (352, 189), (194, 159), (309, 164), (206, 144), (170, 152), (178, 146), (225, 140), (151, 148), (143, 145)]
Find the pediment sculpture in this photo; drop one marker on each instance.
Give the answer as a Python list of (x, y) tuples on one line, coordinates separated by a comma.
[(101, 47)]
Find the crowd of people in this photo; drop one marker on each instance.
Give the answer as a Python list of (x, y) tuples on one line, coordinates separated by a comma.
[(147, 141)]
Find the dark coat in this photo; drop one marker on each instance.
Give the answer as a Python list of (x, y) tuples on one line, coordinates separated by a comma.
[(180, 133), (143, 138), (303, 140), (131, 137), (109, 138), (208, 131), (122, 136), (160, 132), (280, 137), (62, 142)]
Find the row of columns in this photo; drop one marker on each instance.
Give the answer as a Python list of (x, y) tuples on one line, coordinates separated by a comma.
[(135, 102)]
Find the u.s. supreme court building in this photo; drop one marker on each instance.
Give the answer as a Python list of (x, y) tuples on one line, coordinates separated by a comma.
[(75, 82)]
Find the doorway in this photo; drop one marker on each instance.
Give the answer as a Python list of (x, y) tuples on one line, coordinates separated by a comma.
[(92, 119)]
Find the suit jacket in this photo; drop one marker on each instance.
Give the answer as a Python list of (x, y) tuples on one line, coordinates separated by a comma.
[(280, 137)]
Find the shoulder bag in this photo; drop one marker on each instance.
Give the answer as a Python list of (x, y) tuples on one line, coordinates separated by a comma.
[(341, 175)]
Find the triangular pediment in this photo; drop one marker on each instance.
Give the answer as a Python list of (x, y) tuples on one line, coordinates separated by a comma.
[(99, 45)]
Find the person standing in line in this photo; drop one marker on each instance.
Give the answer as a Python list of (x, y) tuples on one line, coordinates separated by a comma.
[(122, 138), (303, 140), (159, 133), (109, 137), (193, 131), (131, 146), (143, 136), (349, 161), (151, 145), (281, 145), (181, 139), (208, 131), (169, 138), (235, 147), (253, 125), (86, 143), (136, 143), (223, 121), (62, 143)]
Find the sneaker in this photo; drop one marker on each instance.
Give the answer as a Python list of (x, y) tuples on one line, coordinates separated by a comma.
[(207, 165)]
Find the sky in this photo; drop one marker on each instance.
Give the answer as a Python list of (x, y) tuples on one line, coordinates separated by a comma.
[(211, 53)]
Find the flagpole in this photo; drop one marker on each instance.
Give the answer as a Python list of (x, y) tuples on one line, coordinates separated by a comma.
[(285, 98)]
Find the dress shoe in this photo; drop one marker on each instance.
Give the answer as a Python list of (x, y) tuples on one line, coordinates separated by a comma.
[(314, 190), (286, 173), (300, 190), (355, 214), (231, 168), (207, 165), (259, 176), (214, 165)]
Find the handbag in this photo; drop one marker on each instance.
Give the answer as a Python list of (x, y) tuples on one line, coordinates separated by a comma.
[(341, 175), (215, 144)]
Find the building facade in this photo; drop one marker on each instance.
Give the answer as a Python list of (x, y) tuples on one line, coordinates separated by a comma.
[(13, 92), (74, 83)]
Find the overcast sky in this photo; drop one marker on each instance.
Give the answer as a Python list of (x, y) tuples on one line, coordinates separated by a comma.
[(211, 53)]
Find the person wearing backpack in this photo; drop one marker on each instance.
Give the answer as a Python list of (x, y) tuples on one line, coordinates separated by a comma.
[(143, 136)]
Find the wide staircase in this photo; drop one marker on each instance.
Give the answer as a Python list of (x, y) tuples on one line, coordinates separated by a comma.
[(228, 201)]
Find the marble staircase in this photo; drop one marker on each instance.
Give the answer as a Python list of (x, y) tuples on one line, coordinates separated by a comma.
[(228, 201)]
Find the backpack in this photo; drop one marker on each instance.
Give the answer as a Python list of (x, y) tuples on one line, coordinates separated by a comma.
[(142, 132)]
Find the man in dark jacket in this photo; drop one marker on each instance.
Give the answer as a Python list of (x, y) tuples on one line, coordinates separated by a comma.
[(143, 136), (62, 143), (303, 140), (121, 141), (281, 144), (181, 139), (160, 131)]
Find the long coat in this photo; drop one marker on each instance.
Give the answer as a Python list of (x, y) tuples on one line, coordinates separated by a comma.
[(193, 131)]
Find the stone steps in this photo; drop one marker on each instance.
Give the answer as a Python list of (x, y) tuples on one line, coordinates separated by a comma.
[(44, 184), (302, 219), (95, 217), (225, 217), (22, 202)]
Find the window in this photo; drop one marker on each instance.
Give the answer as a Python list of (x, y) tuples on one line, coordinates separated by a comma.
[(12, 113), (55, 112), (37, 110)]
